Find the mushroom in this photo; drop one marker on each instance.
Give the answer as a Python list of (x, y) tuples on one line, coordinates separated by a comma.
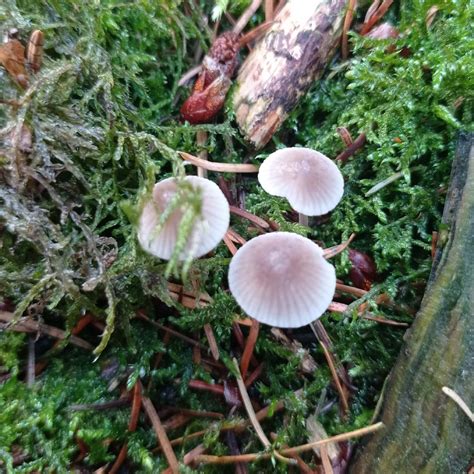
[(282, 279), (207, 230), (310, 181)]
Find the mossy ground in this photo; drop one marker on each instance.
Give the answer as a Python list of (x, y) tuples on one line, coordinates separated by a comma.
[(104, 116)]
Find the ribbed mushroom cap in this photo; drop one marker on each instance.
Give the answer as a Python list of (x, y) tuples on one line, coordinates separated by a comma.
[(207, 231), (282, 279), (310, 181)]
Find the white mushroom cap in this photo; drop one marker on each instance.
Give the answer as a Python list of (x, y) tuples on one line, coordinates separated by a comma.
[(208, 229), (282, 279), (310, 181)]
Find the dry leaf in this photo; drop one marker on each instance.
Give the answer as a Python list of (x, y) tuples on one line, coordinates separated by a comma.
[(307, 364), (12, 58)]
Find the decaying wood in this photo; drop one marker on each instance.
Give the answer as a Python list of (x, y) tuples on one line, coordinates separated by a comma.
[(285, 63), (426, 431)]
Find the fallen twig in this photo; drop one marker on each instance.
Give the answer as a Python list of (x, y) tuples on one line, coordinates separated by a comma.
[(28, 325), (290, 451)]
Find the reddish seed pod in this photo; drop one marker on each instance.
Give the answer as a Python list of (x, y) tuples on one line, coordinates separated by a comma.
[(363, 271), (214, 81)]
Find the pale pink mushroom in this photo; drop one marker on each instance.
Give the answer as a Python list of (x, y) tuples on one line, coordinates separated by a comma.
[(208, 229), (310, 181), (282, 279)]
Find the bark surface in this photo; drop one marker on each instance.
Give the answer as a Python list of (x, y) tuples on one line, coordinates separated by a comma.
[(425, 430), (285, 63)]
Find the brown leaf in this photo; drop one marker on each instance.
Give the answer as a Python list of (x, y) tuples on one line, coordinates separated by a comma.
[(12, 58)]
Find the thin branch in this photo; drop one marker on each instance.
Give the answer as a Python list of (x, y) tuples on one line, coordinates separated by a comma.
[(27, 325), (220, 167), (290, 451), (246, 16)]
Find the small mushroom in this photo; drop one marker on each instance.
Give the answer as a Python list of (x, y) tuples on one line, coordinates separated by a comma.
[(207, 230), (310, 181), (282, 279)]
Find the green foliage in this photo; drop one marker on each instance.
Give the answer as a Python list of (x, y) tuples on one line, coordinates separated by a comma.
[(104, 115)]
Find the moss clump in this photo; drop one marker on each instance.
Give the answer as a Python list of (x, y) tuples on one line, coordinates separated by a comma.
[(103, 113)]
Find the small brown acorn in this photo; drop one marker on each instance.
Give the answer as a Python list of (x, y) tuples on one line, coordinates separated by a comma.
[(363, 272)]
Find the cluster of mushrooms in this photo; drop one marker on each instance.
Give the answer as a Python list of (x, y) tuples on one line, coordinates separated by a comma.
[(280, 279)]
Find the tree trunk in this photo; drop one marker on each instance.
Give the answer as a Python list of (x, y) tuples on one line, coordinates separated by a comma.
[(285, 63), (425, 430)]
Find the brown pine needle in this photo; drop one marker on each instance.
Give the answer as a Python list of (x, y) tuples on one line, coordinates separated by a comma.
[(212, 341), (351, 290), (337, 249), (337, 382), (229, 244), (132, 426), (249, 347), (376, 16), (347, 24), (161, 435), (246, 15), (358, 143), (290, 451), (171, 331), (459, 401), (220, 167), (253, 418), (268, 10), (250, 217)]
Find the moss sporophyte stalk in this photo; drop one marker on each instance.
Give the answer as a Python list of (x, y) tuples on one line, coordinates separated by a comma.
[(103, 115)]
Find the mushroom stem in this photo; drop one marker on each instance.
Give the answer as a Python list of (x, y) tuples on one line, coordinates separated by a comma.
[(201, 139), (303, 219)]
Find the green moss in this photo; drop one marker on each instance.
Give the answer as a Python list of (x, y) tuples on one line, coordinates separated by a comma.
[(104, 114)]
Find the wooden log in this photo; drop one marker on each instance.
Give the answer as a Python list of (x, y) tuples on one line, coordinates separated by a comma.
[(425, 430), (285, 63)]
